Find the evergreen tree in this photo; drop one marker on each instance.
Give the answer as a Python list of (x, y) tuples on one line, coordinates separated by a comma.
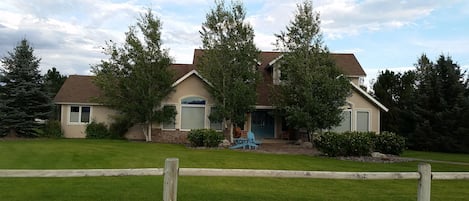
[(229, 62), (137, 77), (22, 92), (442, 107), (53, 81), (313, 90), (397, 92)]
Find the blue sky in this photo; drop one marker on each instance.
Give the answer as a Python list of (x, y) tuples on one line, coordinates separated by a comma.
[(383, 34)]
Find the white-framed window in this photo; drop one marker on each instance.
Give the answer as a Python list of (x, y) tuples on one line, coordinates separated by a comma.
[(346, 123), (215, 125), (363, 121), (170, 125), (80, 114), (192, 113)]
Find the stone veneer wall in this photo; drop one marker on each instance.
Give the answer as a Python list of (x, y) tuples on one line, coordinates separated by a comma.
[(172, 136)]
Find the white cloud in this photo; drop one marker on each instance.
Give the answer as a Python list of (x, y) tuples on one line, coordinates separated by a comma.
[(348, 17)]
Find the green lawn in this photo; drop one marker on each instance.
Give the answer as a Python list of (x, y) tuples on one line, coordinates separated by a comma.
[(67, 154), (464, 158)]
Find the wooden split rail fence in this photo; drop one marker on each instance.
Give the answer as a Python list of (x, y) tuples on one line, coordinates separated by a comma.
[(171, 172)]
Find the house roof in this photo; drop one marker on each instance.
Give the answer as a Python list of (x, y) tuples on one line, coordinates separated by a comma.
[(77, 89), (80, 88), (346, 62)]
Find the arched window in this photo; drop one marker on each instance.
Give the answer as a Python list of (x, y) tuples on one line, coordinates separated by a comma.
[(192, 113)]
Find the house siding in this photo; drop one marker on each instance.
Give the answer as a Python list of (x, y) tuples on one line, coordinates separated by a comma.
[(359, 103)]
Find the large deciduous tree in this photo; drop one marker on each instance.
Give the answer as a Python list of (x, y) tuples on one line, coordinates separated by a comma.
[(229, 62), (23, 99), (136, 78), (312, 89)]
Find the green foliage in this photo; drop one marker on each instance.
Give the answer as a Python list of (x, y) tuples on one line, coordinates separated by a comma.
[(119, 127), (229, 61), (52, 129), (397, 92), (389, 143), (95, 130), (313, 89), (359, 143), (212, 138), (53, 81), (204, 137), (22, 95), (429, 106), (137, 77), (196, 137), (442, 107)]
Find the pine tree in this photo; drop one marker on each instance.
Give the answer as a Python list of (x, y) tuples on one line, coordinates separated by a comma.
[(313, 90), (229, 62), (137, 77), (23, 96), (442, 107), (53, 81)]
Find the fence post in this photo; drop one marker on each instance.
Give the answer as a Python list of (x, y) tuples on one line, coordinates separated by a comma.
[(425, 171), (171, 171)]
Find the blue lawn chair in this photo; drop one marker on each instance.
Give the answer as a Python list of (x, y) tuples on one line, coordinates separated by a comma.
[(249, 142)]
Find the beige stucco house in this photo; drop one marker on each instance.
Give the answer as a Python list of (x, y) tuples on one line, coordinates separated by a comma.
[(193, 104)]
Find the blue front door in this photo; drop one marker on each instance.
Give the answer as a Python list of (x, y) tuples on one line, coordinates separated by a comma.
[(262, 124)]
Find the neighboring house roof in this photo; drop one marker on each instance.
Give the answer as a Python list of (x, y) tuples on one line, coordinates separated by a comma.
[(77, 89)]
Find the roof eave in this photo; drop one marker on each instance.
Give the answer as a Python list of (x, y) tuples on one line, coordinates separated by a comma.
[(376, 102)]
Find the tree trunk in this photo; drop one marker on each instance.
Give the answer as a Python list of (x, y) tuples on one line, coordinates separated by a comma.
[(149, 132), (231, 132)]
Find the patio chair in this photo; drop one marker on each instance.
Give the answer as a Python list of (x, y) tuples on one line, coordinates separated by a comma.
[(249, 142)]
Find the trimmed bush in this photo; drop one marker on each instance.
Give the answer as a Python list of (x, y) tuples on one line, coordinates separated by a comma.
[(212, 138), (196, 137), (204, 137), (52, 129), (95, 130), (344, 144), (359, 143), (389, 143)]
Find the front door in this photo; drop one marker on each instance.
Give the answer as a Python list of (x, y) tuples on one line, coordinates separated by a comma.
[(262, 124)]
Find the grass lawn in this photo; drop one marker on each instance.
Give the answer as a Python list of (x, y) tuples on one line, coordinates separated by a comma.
[(72, 154), (464, 158)]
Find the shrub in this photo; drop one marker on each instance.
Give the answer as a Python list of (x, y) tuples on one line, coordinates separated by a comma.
[(204, 137), (212, 138), (119, 127), (96, 130), (196, 137), (52, 129), (344, 144), (389, 143)]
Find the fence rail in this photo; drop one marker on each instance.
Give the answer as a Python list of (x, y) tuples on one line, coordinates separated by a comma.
[(171, 172)]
